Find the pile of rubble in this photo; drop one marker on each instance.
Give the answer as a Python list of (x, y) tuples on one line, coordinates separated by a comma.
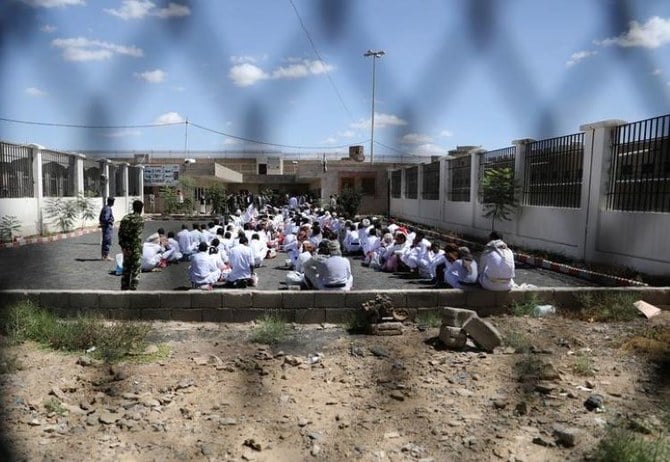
[(458, 324), (382, 317)]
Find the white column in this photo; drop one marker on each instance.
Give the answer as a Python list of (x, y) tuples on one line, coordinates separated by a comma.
[(38, 188), (124, 170), (596, 165), (140, 172), (475, 154), (78, 174), (104, 179)]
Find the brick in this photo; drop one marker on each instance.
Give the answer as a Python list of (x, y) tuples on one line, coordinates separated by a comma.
[(266, 299), (565, 297), (340, 315), (246, 315), (313, 316), (172, 300), (114, 300), (152, 314), (452, 337), (477, 298), (121, 314), (355, 299), (482, 333), (456, 317), (329, 299), (12, 297), (204, 299), (286, 315), (139, 300), (186, 314), (54, 299), (422, 298), (451, 297), (220, 315), (236, 299), (398, 297), (84, 299), (300, 299)]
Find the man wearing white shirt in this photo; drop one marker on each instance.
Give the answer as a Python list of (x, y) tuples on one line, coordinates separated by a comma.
[(329, 270), (241, 260), (203, 272), (496, 265)]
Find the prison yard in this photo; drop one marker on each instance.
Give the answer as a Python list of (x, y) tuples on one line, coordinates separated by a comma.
[(572, 365)]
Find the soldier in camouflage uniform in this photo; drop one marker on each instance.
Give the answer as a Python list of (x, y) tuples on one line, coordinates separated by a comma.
[(130, 240)]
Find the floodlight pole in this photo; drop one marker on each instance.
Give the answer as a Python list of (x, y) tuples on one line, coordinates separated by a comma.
[(375, 55)]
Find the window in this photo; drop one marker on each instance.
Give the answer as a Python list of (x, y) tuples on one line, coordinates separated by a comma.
[(431, 181), (368, 186), (459, 175), (396, 183), (411, 180), (347, 183)]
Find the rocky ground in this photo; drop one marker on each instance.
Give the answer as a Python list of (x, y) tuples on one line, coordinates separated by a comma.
[(324, 394)]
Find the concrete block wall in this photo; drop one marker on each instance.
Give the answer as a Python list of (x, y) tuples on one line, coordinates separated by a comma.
[(297, 306)]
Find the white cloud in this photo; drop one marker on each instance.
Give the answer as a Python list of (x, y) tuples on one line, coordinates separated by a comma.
[(429, 149), (122, 134), (172, 11), (138, 9), (155, 76), (83, 49), (244, 75), (302, 69), (415, 138), (53, 3), (231, 141), (652, 34), (575, 58), (381, 121), (35, 92), (169, 118), (48, 28), (330, 140), (446, 133), (346, 134), (656, 72)]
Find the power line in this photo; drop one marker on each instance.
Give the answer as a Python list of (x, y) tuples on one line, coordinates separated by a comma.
[(318, 55), (49, 124)]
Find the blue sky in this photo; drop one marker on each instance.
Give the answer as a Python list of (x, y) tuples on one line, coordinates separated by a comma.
[(291, 73)]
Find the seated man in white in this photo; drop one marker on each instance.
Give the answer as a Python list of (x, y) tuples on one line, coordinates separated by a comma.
[(329, 270), (151, 256), (297, 277), (241, 260), (172, 253), (203, 272), (462, 272), (351, 243), (186, 244), (259, 248), (496, 265)]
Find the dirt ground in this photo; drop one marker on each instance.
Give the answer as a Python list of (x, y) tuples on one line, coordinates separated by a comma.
[(217, 396)]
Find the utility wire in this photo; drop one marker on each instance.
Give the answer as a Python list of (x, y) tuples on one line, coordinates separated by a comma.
[(318, 55), (48, 124)]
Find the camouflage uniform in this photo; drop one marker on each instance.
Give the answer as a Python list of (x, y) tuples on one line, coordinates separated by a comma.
[(130, 240)]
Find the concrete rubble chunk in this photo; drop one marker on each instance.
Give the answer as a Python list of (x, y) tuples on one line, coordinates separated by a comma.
[(456, 317), (453, 337), (482, 333)]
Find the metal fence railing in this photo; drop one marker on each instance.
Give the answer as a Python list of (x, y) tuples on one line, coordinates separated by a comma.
[(111, 179), (496, 159), (411, 182), (640, 170), (92, 174), (553, 171), (58, 174), (396, 184), (430, 189), (16, 171), (134, 181), (119, 184), (459, 178)]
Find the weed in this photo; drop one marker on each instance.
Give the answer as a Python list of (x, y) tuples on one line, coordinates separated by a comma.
[(624, 446), (607, 307), (529, 367), (358, 322), (269, 330), (429, 319), (520, 342), (583, 365), (162, 353), (52, 405), (10, 364), (113, 341), (524, 308), (652, 342)]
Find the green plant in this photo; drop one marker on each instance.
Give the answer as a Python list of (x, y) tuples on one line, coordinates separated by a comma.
[(52, 405), (520, 342), (10, 364), (218, 197), (583, 365), (112, 340), (624, 446), (170, 199), (525, 307), (607, 306), (9, 227), (349, 201), (499, 192), (429, 319), (269, 330), (62, 212), (86, 208)]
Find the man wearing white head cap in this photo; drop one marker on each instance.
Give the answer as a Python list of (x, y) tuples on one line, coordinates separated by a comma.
[(496, 265), (329, 270)]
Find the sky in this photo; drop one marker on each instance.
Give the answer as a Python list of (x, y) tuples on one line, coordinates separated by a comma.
[(291, 75)]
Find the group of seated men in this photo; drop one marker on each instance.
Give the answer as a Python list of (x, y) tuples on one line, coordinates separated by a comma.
[(314, 241)]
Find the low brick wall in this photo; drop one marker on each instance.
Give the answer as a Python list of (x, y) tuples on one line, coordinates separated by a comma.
[(296, 306)]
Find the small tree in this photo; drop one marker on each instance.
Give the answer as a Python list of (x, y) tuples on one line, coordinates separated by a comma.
[(62, 212), (170, 200), (86, 208), (349, 201), (499, 191), (9, 227), (218, 196)]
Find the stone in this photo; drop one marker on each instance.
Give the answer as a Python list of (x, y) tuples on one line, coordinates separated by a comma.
[(594, 402), (452, 337), (542, 442), (292, 360), (456, 317), (304, 422), (380, 351), (315, 450), (228, 421), (108, 418), (397, 395), (566, 436), (545, 387), (151, 349), (386, 328), (549, 372), (482, 333)]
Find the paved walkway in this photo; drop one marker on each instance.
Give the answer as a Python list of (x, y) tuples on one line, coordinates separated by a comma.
[(74, 264)]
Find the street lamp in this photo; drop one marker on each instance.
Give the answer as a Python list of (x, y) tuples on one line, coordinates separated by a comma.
[(375, 55)]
